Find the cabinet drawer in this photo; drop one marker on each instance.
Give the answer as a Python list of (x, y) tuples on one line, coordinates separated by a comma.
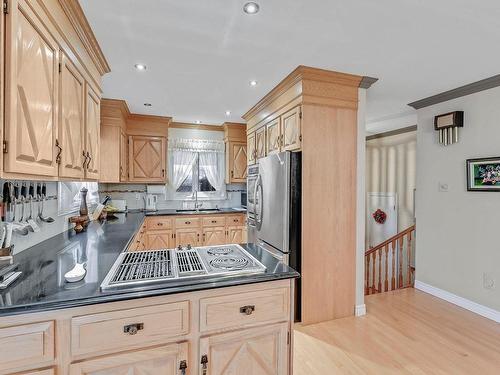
[(158, 223), (116, 330), (244, 309), (237, 220), (214, 221), (187, 222), (30, 344)]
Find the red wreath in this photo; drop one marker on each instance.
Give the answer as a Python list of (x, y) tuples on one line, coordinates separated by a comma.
[(380, 216)]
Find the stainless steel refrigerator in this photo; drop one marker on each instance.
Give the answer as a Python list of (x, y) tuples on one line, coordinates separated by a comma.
[(274, 208)]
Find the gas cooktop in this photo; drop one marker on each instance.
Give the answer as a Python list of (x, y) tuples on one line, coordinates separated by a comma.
[(139, 268)]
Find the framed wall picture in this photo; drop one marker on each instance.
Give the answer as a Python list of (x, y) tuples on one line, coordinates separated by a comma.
[(483, 174)]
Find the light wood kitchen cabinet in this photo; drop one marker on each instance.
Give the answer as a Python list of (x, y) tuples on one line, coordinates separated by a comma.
[(236, 234), (31, 87), (273, 136), (51, 62), (262, 350), (123, 163), (160, 240), (214, 236), (165, 360), (291, 130), (38, 372), (235, 139), (92, 139), (251, 149), (188, 236), (260, 143), (147, 158), (71, 133)]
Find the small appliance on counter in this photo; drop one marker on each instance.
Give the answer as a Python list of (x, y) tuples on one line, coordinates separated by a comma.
[(244, 199), (151, 202), (119, 204)]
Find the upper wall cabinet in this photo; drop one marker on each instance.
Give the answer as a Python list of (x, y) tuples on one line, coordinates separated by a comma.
[(71, 137), (52, 61), (236, 152), (32, 82), (147, 159)]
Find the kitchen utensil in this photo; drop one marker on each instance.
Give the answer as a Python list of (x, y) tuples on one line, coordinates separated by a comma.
[(76, 274), (8, 236), (47, 219), (24, 197), (151, 202), (31, 222), (18, 227), (9, 279)]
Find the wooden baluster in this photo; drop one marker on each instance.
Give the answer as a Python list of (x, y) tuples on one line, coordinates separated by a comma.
[(386, 281), (380, 272), (374, 259), (408, 243), (400, 279), (393, 273), (367, 277)]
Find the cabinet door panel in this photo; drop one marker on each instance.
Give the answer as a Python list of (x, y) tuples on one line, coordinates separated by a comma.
[(273, 136), (164, 360), (71, 125), (257, 351), (147, 157), (93, 120), (159, 240), (291, 130), (32, 80), (214, 236), (260, 142), (184, 237), (251, 150), (236, 235), (238, 162), (123, 156)]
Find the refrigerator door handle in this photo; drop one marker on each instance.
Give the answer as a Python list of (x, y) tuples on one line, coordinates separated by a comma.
[(258, 204)]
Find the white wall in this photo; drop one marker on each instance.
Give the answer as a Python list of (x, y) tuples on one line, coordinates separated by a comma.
[(457, 231)]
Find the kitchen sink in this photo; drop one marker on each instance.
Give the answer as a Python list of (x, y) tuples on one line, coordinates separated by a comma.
[(206, 210)]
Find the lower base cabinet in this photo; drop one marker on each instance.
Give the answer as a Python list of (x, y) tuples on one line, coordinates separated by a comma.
[(257, 351), (165, 360)]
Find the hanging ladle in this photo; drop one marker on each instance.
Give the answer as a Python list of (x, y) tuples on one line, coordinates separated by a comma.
[(41, 192)]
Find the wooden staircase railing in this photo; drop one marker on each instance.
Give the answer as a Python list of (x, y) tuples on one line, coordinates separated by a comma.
[(380, 263)]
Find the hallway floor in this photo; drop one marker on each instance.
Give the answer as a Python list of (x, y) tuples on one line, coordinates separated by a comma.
[(404, 332)]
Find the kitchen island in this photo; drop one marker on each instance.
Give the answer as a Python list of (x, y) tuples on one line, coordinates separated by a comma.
[(61, 328)]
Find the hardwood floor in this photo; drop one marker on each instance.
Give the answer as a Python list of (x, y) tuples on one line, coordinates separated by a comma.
[(405, 332)]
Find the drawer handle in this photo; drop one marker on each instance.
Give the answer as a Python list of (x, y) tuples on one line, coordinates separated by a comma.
[(183, 366), (132, 329), (247, 310), (187, 222), (214, 221), (235, 220), (159, 224)]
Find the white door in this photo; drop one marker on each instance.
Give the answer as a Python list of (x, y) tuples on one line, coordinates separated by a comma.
[(378, 232)]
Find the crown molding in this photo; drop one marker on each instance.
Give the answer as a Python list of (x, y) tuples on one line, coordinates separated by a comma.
[(151, 118), (77, 17), (186, 125), (300, 74)]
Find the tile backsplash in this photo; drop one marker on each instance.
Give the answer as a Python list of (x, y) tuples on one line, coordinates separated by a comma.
[(133, 194)]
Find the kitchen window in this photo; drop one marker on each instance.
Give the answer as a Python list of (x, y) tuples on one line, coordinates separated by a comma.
[(196, 168)]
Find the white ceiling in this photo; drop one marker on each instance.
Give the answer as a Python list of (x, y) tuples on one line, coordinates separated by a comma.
[(201, 54)]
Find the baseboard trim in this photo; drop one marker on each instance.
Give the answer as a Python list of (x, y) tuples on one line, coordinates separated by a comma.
[(360, 310), (459, 301)]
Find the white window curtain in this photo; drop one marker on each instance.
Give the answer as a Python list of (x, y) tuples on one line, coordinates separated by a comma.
[(183, 155)]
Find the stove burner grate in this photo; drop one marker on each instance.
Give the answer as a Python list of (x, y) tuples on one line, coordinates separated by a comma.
[(220, 251), (229, 263)]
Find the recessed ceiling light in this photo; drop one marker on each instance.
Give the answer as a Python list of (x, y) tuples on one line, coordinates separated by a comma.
[(253, 83), (147, 104), (140, 66), (198, 121), (251, 8), (228, 113)]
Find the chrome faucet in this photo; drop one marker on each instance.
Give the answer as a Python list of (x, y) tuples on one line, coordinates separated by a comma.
[(197, 205)]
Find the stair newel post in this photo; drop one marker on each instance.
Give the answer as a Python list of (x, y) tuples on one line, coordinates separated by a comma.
[(386, 281), (379, 288), (367, 278), (393, 273), (408, 243), (400, 278), (374, 260)]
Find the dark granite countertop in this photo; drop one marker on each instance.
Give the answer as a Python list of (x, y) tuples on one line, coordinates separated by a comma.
[(170, 212), (42, 286)]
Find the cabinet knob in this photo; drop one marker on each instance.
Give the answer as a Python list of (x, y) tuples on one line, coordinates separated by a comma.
[(247, 310), (187, 222), (214, 221), (159, 224), (132, 329)]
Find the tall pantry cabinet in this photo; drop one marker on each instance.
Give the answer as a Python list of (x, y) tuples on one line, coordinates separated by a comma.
[(52, 76)]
